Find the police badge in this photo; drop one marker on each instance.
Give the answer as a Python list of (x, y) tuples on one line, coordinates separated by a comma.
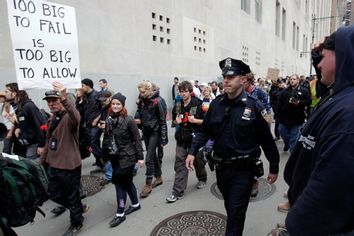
[(246, 114)]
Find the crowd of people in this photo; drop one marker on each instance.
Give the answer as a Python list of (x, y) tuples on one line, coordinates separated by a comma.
[(311, 115)]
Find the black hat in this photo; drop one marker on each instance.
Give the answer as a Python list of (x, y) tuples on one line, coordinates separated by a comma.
[(51, 94), (233, 67), (104, 95), (329, 42), (87, 82), (120, 97)]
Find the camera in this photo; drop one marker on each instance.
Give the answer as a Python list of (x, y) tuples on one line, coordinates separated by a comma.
[(113, 147), (23, 142), (293, 100)]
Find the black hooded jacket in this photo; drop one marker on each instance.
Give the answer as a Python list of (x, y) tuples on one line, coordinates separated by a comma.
[(320, 170), (152, 113), (30, 121)]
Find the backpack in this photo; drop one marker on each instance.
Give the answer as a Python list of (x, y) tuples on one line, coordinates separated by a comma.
[(24, 187)]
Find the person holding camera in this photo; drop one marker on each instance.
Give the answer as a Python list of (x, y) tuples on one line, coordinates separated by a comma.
[(236, 122), (292, 111), (122, 147)]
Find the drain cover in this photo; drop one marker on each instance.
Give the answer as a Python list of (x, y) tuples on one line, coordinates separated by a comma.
[(192, 223), (265, 190), (91, 184)]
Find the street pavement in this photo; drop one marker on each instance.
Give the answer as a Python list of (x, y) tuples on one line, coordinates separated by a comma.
[(261, 217)]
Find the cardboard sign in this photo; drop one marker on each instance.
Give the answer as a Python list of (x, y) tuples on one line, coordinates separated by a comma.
[(273, 73), (44, 42)]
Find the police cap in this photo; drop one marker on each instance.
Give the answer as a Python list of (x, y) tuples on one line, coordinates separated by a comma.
[(233, 67)]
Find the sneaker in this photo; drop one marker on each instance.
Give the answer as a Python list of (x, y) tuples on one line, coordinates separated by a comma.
[(173, 198), (131, 209), (116, 221), (58, 210), (284, 207), (85, 208), (201, 184), (73, 230)]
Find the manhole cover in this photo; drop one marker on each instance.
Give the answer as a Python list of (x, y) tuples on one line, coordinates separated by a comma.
[(91, 184), (192, 223), (265, 190)]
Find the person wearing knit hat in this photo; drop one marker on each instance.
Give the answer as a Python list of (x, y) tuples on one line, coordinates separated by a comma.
[(122, 146), (120, 97)]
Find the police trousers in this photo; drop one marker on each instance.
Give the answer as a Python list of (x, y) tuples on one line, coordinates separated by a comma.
[(235, 181), (63, 189)]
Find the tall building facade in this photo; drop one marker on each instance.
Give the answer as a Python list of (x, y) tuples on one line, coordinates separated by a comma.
[(127, 41)]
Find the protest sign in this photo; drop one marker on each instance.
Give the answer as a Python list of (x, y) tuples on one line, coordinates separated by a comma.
[(273, 73), (45, 43)]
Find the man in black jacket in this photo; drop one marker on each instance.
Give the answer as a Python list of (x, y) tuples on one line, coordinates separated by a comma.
[(291, 109), (92, 110)]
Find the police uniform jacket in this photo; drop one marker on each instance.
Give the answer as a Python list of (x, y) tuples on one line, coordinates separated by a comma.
[(238, 128)]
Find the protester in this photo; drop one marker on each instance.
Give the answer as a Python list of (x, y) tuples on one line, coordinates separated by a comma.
[(29, 121), (188, 115), (291, 108), (151, 116), (62, 155), (92, 108), (10, 120), (122, 147)]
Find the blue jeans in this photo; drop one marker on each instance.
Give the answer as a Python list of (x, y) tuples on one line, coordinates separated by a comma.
[(95, 141), (109, 170), (289, 134)]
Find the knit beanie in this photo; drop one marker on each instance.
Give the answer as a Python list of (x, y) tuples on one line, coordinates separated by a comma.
[(119, 97)]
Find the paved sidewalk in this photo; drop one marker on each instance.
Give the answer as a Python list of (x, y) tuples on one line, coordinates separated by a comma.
[(261, 215)]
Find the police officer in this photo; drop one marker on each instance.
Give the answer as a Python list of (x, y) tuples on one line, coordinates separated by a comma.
[(236, 122)]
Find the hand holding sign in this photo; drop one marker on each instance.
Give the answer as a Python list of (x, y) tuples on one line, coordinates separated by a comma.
[(57, 86)]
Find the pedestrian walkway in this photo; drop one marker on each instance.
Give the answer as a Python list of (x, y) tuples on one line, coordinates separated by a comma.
[(261, 215)]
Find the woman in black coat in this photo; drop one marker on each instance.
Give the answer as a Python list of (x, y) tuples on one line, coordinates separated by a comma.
[(122, 146)]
